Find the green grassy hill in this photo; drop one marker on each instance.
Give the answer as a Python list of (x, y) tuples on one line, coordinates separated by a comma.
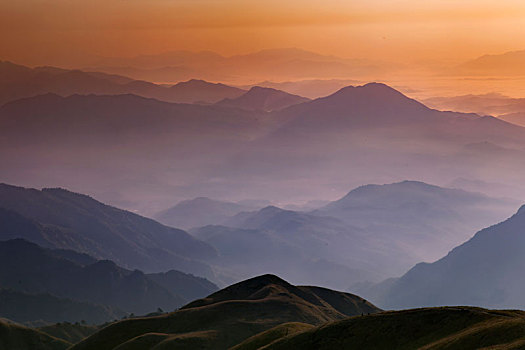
[(13, 336), (431, 328), (70, 332), (229, 316)]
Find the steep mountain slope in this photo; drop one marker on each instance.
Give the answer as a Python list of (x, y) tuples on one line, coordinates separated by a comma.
[(484, 271), (200, 211), (438, 328), (265, 99), (22, 338), (231, 315), (21, 82), (78, 222)]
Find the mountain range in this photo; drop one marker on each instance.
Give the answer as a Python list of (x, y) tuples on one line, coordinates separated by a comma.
[(373, 134), (277, 64), (22, 82), (378, 230)]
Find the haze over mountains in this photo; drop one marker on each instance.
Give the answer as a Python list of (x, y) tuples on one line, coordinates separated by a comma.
[(268, 175), (484, 271), (188, 150), (287, 63)]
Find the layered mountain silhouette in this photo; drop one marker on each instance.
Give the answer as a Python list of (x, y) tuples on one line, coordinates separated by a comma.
[(373, 134), (231, 315), (245, 252), (29, 268), (265, 99), (194, 90), (483, 272), (373, 232), (22, 82), (200, 211), (62, 219)]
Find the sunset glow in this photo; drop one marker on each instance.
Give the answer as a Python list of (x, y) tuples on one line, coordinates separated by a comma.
[(34, 31)]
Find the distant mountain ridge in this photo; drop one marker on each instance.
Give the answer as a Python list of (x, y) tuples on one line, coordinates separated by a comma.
[(373, 134), (21, 82), (200, 211), (277, 64), (265, 99)]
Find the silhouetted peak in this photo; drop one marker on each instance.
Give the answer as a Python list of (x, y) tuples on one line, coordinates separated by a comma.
[(271, 209), (375, 90), (263, 90), (197, 83)]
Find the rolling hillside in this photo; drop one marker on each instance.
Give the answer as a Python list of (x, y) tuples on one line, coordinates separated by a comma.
[(231, 315)]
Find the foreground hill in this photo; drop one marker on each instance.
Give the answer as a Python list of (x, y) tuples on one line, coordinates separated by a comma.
[(29, 268), (435, 328), (14, 336), (78, 222), (231, 315), (265, 99), (485, 271)]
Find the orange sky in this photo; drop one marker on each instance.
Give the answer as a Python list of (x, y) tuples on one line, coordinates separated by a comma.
[(31, 31)]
